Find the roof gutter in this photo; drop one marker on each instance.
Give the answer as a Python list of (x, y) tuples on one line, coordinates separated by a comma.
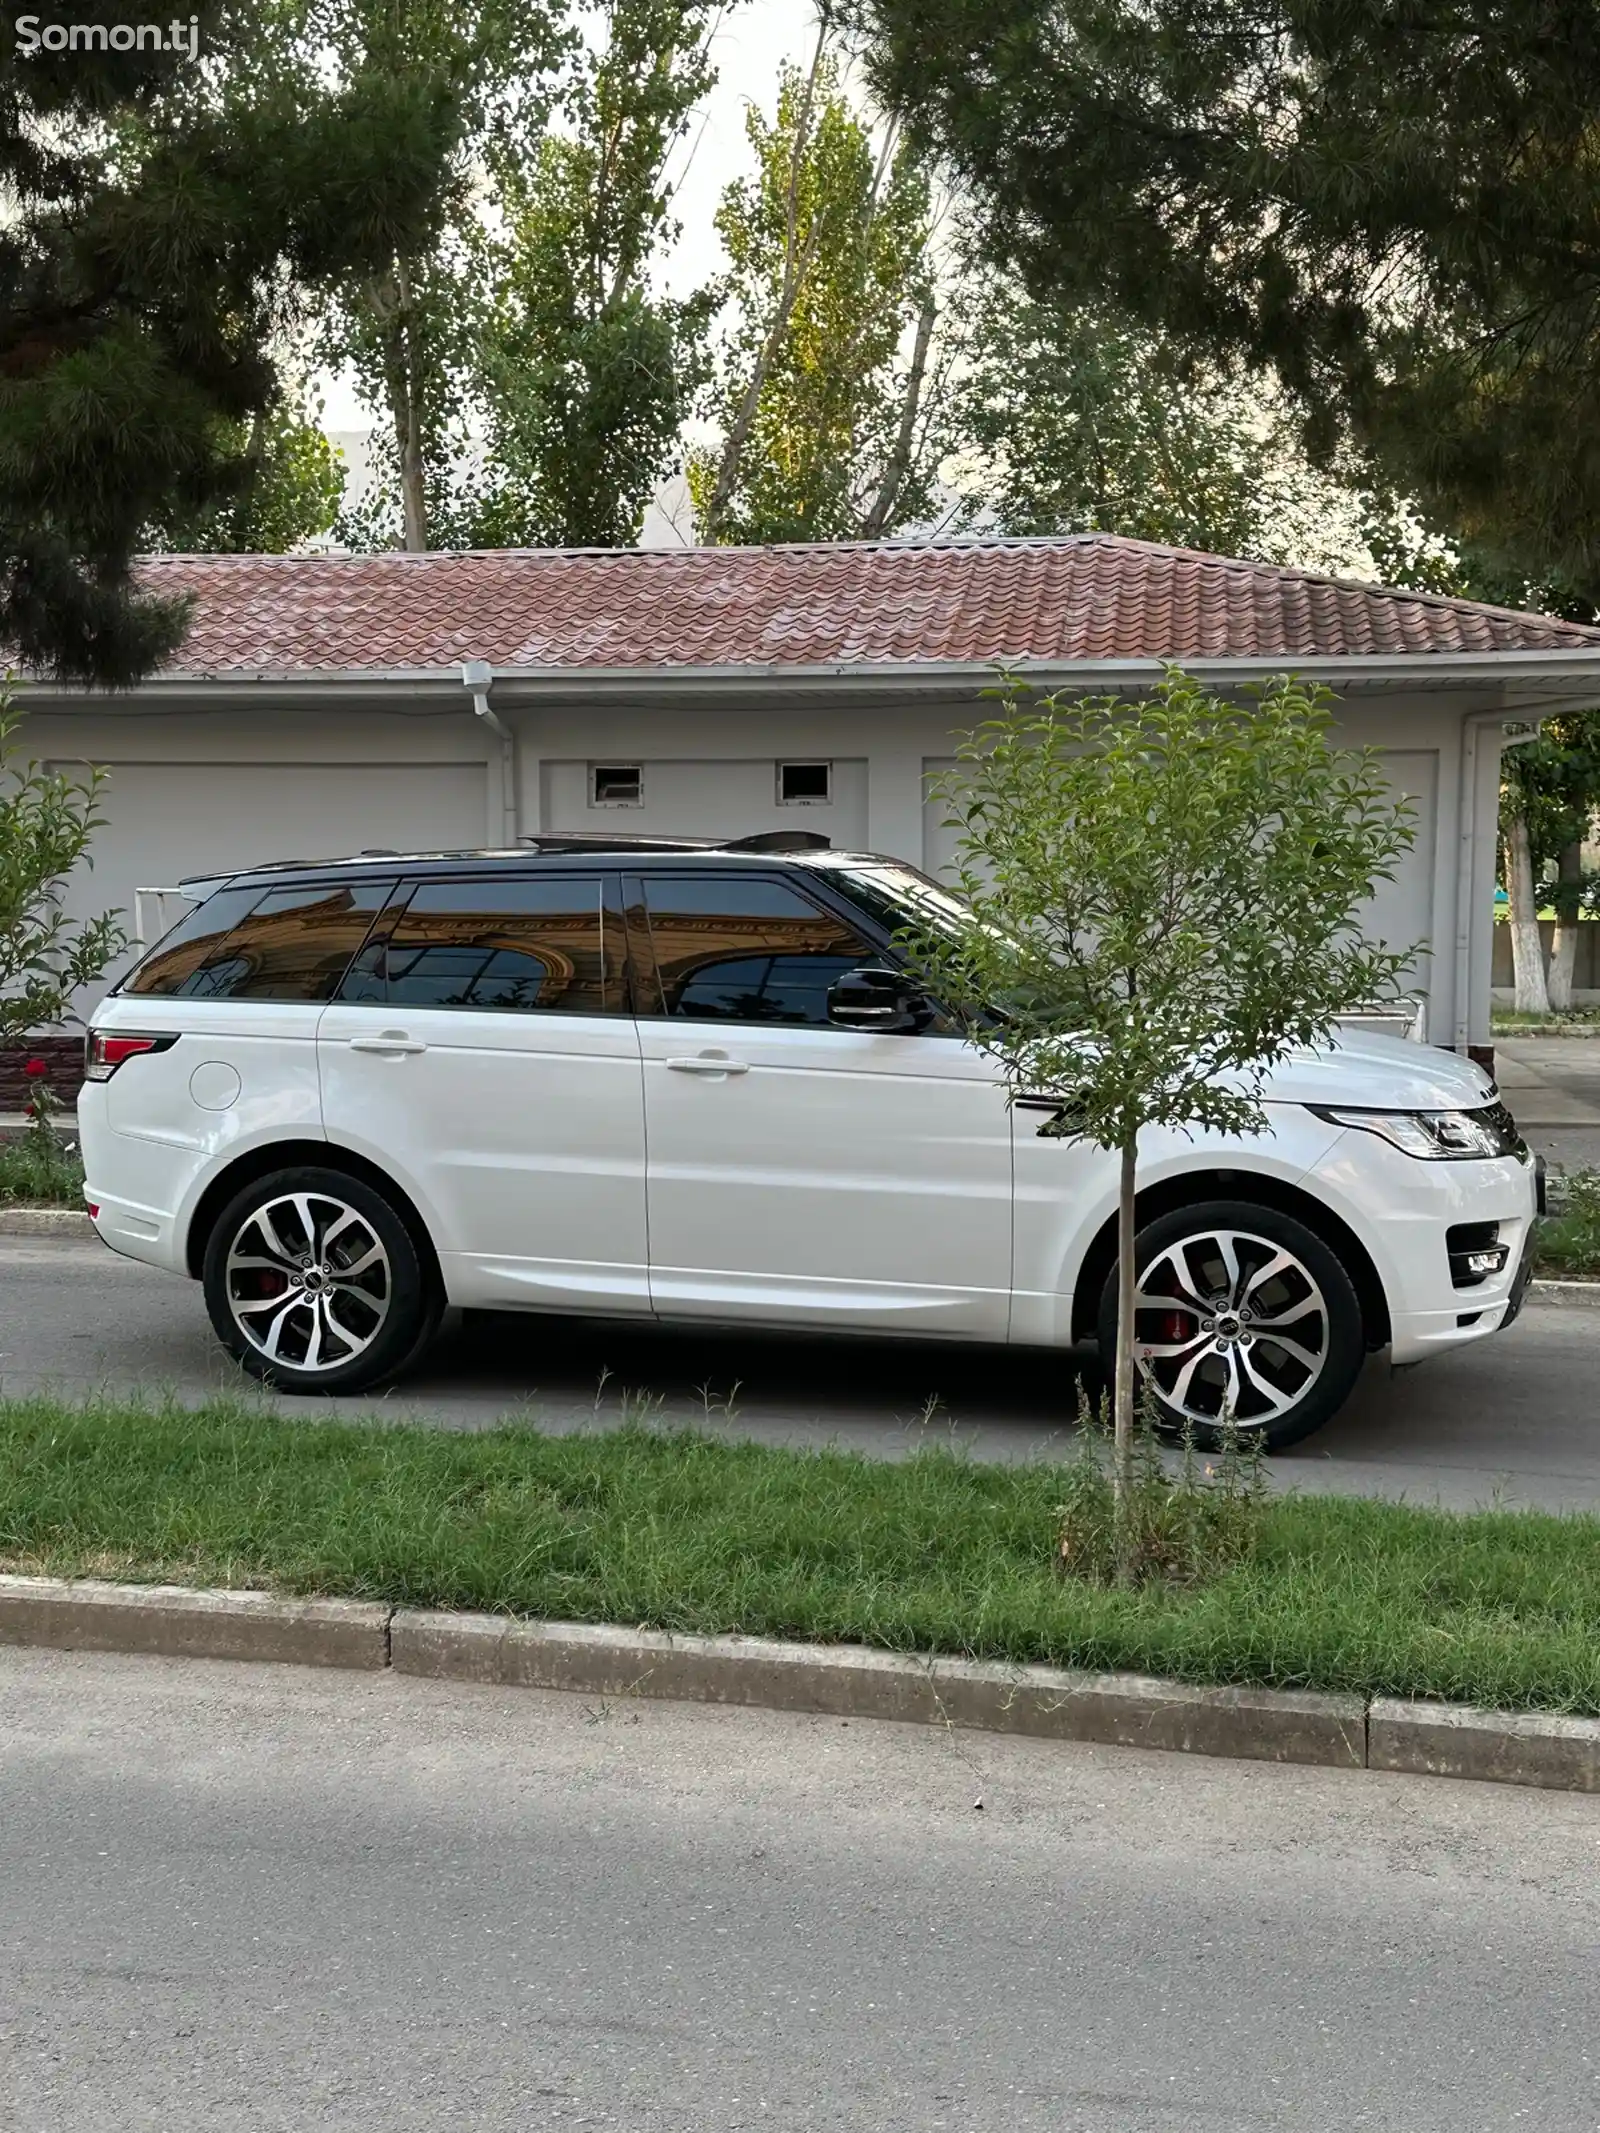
[(477, 678), (1546, 677)]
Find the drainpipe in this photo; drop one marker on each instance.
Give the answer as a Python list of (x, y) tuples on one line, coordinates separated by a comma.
[(476, 677), (1472, 725)]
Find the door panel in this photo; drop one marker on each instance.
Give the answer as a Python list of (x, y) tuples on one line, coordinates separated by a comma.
[(802, 1173), (518, 1126)]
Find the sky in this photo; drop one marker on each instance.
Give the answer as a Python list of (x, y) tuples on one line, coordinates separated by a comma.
[(750, 45)]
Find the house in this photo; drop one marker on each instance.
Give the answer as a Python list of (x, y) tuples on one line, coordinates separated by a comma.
[(325, 704)]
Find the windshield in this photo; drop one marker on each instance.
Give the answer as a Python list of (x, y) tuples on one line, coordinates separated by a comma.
[(902, 896)]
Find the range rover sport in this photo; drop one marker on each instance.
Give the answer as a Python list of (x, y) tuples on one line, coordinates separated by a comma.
[(691, 1081)]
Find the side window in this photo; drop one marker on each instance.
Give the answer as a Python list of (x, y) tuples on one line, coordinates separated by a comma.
[(273, 944), (734, 948), (518, 947)]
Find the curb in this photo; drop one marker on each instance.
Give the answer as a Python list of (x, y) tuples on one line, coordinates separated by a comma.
[(1346, 1732), (45, 1222), (1585, 1294), (181, 1622)]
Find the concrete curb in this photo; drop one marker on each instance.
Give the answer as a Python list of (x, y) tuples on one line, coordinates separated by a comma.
[(850, 1681), (45, 1222), (94, 1616), (1583, 1294), (1541, 1749), (1506, 1747)]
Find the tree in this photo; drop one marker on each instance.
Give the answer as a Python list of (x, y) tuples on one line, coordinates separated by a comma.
[(1550, 798), (585, 375), (1162, 897), (830, 383), (1389, 206), (165, 209), (290, 487), (47, 821), (1077, 421), (409, 324)]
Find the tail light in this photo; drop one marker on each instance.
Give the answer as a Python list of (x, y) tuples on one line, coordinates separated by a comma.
[(104, 1050)]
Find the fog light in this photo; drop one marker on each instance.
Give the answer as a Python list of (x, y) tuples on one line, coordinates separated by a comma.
[(1482, 1263)]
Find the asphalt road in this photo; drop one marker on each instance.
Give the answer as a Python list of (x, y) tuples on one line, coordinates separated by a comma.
[(266, 1900), (1515, 1419)]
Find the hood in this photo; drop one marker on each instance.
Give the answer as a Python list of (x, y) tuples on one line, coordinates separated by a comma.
[(1372, 1072)]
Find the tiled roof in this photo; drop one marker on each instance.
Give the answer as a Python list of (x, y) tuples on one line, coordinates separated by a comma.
[(1083, 597)]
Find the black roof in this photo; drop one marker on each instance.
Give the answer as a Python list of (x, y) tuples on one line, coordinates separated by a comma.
[(577, 844)]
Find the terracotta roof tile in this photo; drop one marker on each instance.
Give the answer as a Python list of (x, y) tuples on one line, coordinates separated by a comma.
[(1083, 597)]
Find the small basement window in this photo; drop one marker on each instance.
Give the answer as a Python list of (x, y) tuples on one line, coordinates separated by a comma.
[(616, 785), (805, 784)]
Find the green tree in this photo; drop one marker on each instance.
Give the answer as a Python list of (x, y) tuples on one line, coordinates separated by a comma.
[(164, 214), (1076, 421), (1389, 206), (830, 385), (410, 324), (1161, 903), (47, 822), (290, 487), (585, 376)]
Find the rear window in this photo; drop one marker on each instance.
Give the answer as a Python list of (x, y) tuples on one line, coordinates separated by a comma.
[(264, 944)]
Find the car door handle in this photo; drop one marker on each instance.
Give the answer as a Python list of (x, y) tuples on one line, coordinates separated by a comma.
[(708, 1063), (389, 1041)]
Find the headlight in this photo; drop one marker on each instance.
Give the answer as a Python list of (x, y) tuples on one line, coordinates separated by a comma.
[(1436, 1136)]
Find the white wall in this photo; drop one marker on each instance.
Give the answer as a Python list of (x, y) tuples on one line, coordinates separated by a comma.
[(189, 794), (725, 796), (194, 790)]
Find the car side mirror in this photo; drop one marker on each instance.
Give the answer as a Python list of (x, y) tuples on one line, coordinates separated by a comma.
[(882, 1000)]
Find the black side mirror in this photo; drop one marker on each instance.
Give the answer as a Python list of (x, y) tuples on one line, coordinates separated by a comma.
[(883, 1000)]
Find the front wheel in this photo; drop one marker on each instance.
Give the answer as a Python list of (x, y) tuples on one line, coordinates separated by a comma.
[(314, 1283), (1239, 1310)]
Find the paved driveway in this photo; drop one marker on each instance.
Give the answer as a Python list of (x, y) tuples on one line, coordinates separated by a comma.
[(1553, 1086), (1517, 1417)]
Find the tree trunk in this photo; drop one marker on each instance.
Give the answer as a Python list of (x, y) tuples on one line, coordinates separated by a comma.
[(795, 269), (393, 305), (1564, 948), (1527, 951), (881, 515), (1123, 1397)]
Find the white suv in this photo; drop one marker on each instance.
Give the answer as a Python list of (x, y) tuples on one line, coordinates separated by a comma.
[(690, 1081)]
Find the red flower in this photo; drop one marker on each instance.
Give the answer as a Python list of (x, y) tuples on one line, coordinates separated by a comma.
[(36, 1069)]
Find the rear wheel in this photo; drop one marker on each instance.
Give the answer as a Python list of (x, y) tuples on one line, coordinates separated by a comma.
[(1241, 1310), (315, 1283)]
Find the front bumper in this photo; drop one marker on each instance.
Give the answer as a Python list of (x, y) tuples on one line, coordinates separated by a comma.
[(1403, 1209)]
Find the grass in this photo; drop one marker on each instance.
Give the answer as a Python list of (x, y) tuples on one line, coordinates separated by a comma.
[(1508, 1022), (683, 1532), (37, 1169), (1569, 1240)]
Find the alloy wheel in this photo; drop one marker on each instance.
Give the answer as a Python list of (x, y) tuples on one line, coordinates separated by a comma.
[(1228, 1325), (308, 1281)]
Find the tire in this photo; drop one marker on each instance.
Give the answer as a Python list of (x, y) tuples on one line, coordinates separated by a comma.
[(1206, 1334), (315, 1283)]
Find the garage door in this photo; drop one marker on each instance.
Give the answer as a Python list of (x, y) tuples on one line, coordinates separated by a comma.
[(167, 820)]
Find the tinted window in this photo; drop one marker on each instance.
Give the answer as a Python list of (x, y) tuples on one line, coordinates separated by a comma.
[(272, 944), (742, 950), (515, 946)]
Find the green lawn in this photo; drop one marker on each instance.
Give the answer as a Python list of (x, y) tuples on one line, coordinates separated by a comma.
[(681, 1532)]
